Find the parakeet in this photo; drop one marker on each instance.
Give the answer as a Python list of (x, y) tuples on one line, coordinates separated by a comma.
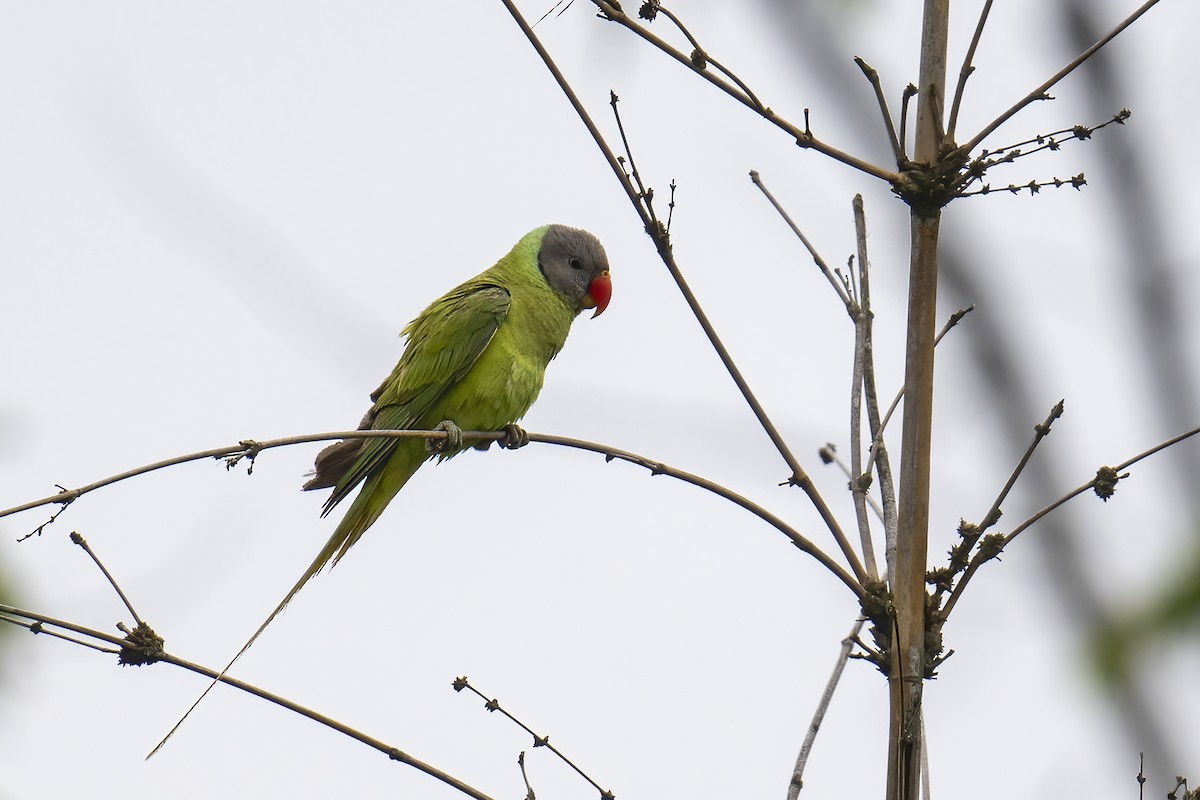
[(475, 357)]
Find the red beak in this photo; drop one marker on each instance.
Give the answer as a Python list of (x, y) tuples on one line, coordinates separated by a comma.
[(599, 293)]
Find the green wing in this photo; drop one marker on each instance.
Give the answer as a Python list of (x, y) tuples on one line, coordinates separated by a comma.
[(443, 344)]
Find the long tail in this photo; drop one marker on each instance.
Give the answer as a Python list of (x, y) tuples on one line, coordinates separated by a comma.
[(374, 497)]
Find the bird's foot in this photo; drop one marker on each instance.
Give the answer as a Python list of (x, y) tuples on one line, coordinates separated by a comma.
[(453, 441), (514, 437)]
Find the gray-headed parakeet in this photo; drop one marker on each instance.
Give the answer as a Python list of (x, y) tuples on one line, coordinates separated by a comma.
[(475, 357)]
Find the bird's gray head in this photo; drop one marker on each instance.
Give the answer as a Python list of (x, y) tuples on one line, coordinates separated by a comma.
[(574, 264)]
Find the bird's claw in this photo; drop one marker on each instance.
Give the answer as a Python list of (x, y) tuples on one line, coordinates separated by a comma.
[(514, 437), (452, 442)]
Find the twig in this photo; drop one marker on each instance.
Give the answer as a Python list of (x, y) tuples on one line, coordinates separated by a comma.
[(837, 285), (658, 468), (965, 72), (662, 244), (873, 77), (76, 538), (829, 455), (909, 93), (803, 137), (247, 448), (700, 58), (529, 793), (1040, 432), (1103, 483), (538, 741), (391, 752), (797, 782), (1040, 92), (954, 319), (39, 627)]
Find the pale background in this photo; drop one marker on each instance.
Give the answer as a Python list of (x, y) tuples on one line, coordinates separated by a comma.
[(214, 218)]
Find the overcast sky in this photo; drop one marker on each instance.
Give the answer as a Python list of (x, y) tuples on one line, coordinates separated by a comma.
[(217, 216)]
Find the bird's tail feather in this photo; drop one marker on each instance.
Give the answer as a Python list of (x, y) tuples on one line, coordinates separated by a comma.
[(376, 493)]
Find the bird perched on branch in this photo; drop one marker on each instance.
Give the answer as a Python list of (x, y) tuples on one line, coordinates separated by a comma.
[(474, 360)]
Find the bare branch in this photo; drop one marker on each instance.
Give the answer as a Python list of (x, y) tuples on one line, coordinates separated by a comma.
[(662, 244), (391, 752), (1040, 92), (803, 137), (79, 540), (1103, 484), (873, 77), (493, 705), (837, 285), (797, 782), (967, 68), (860, 481)]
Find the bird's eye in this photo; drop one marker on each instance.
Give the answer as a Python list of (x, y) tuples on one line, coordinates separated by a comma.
[(574, 263)]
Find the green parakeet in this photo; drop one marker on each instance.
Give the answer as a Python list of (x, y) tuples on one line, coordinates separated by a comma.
[(475, 357)]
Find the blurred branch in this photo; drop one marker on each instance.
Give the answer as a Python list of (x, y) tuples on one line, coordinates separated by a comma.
[(131, 645), (1040, 92), (662, 243), (965, 72), (493, 705), (1104, 485), (803, 137)]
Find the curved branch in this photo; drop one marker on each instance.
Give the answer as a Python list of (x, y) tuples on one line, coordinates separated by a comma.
[(658, 468), (391, 752), (250, 448), (803, 137)]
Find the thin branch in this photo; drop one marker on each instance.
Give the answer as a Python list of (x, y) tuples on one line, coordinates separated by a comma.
[(838, 287), (700, 58), (829, 455), (879, 454), (658, 468), (662, 244), (873, 77), (860, 481), (1103, 484), (1040, 432), (247, 448), (797, 782), (251, 448), (493, 705), (803, 137), (909, 93), (967, 69), (1040, 92), (955, 318), (161, 655), (77, 539), (39, 627)]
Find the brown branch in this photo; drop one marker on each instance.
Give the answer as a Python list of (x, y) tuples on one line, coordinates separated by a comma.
[(860, 482), (838, 287), (1105, 476), (391, 752), (493, 705), (965, 72), (1040, 92), (803, 137), (662, 244), (873, 78)]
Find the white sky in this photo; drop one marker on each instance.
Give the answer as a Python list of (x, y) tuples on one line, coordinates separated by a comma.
[(216, 217)]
